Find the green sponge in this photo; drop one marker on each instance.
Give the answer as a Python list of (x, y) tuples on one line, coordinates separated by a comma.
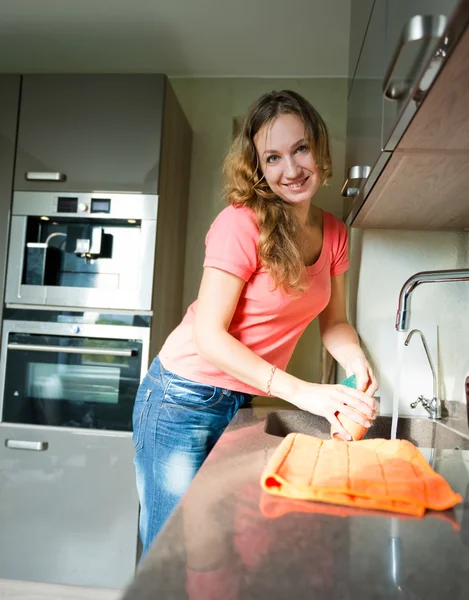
[(350, 382)]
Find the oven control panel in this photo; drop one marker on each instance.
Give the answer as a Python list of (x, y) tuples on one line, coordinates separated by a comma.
[(69, 204)]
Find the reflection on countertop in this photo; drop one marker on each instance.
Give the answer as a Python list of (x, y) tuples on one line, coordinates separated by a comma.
[(229, 539)]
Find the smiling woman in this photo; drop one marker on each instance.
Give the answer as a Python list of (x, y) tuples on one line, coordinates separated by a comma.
[(287, 143), (273, 263)]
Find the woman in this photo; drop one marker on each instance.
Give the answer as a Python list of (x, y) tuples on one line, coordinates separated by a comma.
[(273, 263)]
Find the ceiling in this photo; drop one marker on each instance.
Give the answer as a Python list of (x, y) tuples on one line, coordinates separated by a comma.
[(185, 38)]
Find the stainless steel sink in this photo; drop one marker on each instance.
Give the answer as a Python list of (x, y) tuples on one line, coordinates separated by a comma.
[(421, 432)]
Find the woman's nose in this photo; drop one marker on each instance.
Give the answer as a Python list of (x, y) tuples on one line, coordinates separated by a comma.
[(292, 168)]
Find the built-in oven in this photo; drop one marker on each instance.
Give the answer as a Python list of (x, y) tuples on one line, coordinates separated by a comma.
[(68, 385), (93, 250), (74, 375)]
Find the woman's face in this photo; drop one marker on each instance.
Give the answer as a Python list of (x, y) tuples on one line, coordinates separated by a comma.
[(287, 160)]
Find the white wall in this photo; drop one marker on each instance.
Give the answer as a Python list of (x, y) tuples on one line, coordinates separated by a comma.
[(381, 262), (211, 105)]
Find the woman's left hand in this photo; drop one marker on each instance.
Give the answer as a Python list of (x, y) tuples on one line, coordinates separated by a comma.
[(366, 380)]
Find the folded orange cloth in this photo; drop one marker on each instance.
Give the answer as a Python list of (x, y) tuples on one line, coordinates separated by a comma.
[(275, 507), (379, 474)]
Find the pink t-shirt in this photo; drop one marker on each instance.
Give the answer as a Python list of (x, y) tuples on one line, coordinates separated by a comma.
[(268, 322)]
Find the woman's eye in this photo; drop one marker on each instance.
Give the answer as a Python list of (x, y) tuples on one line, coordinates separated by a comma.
[(302, 148), (272, 158)]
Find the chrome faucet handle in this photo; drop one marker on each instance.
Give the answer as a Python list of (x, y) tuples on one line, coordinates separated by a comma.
[(433, 406), (424, 402), (416, 403)]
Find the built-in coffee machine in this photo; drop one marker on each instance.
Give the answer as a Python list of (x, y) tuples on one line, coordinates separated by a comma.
[(82, 250)]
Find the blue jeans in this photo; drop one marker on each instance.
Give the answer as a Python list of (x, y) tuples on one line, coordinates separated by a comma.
[(176, 422)]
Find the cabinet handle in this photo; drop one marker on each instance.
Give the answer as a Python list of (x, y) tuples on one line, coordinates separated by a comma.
[(418, 29), (37, 176), (355, 173), (72, 350), (26, 445)]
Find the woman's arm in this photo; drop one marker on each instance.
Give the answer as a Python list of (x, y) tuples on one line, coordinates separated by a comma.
[(341, 339), (218, 297)]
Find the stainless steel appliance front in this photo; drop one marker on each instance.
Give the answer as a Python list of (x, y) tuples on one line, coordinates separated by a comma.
[(70, 375), (82, 250)]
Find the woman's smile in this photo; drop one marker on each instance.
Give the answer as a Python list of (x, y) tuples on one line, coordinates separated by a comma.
[(297, 184)]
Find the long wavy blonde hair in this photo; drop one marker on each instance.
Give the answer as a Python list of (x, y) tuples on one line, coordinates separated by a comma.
[(245, 185)]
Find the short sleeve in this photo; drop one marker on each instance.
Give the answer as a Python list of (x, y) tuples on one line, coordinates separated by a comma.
[(339, 248), (231, 243)]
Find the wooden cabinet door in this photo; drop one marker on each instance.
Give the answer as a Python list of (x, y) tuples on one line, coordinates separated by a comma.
[(419, 190), (90, 133)]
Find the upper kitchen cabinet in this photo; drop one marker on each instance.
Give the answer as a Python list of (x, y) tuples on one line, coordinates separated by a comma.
[(82, 133), (424, 185), (406, 108)]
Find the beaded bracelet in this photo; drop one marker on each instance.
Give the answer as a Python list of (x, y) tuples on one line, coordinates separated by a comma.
[(269, 383)]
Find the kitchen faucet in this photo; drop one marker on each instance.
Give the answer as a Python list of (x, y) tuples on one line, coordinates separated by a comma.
[(403, 309), (433, 407)]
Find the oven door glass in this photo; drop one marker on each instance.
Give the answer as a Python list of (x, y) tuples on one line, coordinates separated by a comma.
[(71, 381)]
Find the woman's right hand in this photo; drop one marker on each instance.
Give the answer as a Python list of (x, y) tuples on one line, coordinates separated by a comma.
[(326, 400)]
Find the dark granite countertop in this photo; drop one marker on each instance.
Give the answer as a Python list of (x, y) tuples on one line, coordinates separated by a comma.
[(228, 539)]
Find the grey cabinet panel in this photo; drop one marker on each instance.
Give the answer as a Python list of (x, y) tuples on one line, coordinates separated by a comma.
[(359, 19), (365, 104), (98, 132), (68, 507), (9, 104)]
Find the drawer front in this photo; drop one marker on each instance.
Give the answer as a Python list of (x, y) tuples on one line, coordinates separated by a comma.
[(69, 507)]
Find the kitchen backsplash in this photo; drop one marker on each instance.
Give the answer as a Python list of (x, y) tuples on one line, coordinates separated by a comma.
[(381, 261)]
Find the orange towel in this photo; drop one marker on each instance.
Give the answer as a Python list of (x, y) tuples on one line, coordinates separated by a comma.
[(378, 474), (274, 507)]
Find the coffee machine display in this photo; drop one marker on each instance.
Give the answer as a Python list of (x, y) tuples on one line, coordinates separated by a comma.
[(86, 250)]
